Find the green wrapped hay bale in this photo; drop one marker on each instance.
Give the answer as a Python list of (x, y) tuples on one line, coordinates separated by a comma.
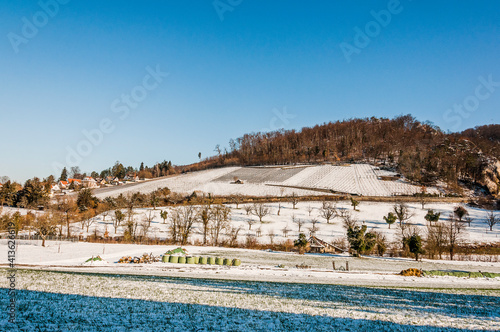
[(190, 260), (196, 260), (236, 262), (165, 258), (211, 260), (227, 261), (173, 259), (203, 260), (219, 261), (182, 260)]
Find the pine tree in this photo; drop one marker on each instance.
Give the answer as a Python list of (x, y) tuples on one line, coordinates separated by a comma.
[(64, 175)]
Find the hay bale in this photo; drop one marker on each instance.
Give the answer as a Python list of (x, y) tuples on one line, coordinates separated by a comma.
[(219, 261), (227, 261), (173, 259), (165, 259), (203, 260), (182, 260), (211, 260), (236, 262), (190, 260)]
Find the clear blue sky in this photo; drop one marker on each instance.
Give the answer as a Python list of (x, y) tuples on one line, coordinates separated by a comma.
[(229, 76)]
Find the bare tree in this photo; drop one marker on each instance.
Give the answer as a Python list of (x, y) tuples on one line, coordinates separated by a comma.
[(68, 207), (286, 230), (328, 211), (453, 233), (258, 232), (44, 226), (220, 217), (87, 219), (491, 220), (236, 199), (204, 217), (313, 229), (145, 226), (248, 209), (402, 212), (250, 222), (347, 219), (294, 199), (271, 235), (310, 210), (297, 221), (187, 219), (436, 239), (260, 210), (233, 236), (148, 217), (174, 226)]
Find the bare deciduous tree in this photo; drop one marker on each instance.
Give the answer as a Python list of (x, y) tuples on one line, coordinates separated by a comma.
[(204, 217), (328, 211), (294, 199), (297, 221), (491, 220), (233, 236), (453, 232), (402, 212), (260, 210), (436, 239), (44, 226), (248, 209), (220, 221), (271, 235), (285, 230)]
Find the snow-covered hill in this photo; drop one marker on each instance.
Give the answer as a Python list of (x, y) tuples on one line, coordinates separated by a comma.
[(356, 179)]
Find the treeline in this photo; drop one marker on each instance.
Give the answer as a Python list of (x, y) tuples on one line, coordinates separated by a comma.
[(118, 170), (420, 151)]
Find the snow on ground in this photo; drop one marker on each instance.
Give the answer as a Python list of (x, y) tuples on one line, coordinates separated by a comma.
[(357, 179), (117, 302), (369, 213), (57, 290)]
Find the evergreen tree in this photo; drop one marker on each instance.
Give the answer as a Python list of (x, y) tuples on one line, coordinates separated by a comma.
[(415, 245), (64, 175), (390, 219)]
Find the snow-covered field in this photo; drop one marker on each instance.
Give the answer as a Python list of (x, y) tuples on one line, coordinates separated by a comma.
[(369, 213), (92, 302), (57, 290), (358, 179)]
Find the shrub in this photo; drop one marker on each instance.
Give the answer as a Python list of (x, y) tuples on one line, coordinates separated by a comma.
[(411, 273)]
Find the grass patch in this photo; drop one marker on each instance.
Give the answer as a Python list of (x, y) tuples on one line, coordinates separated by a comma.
[(461, 274)]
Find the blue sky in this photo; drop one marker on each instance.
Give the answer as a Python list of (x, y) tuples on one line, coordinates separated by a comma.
[(233, 67)]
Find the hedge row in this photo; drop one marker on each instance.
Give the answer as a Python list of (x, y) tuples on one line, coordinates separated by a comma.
[(201, 260)]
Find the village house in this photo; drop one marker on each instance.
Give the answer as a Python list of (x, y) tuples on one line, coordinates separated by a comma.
[(63, 185), (89, 182), (76, 182)]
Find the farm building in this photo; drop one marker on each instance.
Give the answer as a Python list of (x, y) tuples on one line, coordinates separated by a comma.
[(321, 246)]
